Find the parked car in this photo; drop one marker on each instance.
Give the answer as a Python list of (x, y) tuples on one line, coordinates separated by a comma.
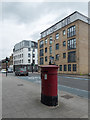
[(10, 70), (21, 71), (3, 71)]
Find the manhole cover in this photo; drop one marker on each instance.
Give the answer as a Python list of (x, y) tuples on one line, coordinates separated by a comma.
[(67, 96), (19, 84)]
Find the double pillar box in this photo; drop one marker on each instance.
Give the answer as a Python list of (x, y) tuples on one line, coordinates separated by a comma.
[(49, 87)]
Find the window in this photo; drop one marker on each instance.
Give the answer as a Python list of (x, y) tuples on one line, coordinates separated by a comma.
[(33, 55), (32, 44), (57, 46), (46, 41), (18, 56), (41, 61), (46, 59), (72, 44), (26, 43), (22, 55), (57, 36), (22, 61), (34, 61), (74, 67), (64, 55), (28, 54), (64, 43), (71, 31), (41, 52), (28, 60), (64, 32), (45, 50), (72, 56), (57, 57), (50, 49), (50, 41), (29, 49), (41, 44), (60, 68), (33, 50), (65, 67), (51, 59), (69, 67)]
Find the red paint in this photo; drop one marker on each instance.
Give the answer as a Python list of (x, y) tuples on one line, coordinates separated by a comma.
[(49, 85)]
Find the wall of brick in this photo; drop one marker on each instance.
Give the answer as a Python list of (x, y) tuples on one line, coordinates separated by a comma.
[(81, 48)]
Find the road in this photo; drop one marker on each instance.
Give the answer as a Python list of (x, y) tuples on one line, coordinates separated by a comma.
[(79, 83), (76, 85)]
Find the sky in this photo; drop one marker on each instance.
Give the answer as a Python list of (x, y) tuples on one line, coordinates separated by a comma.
[(26, 20)]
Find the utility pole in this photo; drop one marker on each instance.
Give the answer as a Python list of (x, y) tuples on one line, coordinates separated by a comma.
[(6, 65), (32, 60)]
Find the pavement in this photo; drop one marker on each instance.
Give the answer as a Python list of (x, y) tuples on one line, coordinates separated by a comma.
[(21, 99)]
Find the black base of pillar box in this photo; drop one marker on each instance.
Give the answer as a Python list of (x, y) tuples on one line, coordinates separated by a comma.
[(49, 100)]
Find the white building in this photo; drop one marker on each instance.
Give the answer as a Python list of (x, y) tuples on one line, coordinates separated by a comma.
[(24, 54)]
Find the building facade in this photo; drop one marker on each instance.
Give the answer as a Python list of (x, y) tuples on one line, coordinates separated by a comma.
[(66, 45), (3, 64), (9, 64), (24, 54)]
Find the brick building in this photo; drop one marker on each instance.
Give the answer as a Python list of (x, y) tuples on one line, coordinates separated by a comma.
[(3, 62), (66, 45)]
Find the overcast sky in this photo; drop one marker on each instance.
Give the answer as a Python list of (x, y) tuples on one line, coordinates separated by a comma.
[(26, 20)]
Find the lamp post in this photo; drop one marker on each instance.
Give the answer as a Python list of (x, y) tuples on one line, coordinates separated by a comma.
[(32, 60), (6, 65)]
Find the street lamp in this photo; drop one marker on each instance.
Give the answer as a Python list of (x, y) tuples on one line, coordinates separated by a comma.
[(6, 64)]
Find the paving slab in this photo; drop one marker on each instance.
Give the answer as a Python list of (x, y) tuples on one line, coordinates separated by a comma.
[(21, 99)]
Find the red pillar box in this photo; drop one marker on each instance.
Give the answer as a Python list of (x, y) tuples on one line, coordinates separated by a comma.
[(49, 95)]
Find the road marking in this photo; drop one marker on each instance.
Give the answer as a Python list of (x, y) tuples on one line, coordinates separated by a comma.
[(74, 78), (76, 91), (73, 88), (38, 77), (34, 78)]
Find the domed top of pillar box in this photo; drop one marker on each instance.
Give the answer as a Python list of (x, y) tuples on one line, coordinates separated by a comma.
[(49, 68)]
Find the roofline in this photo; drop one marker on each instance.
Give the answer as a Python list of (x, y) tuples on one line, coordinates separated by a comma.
[(21, 41), (64, 19), (24, 40), (59, 29), (34, 41)]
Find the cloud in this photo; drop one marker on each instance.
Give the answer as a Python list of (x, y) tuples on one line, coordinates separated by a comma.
[(32, 11), (26, 20), (23, 12)]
